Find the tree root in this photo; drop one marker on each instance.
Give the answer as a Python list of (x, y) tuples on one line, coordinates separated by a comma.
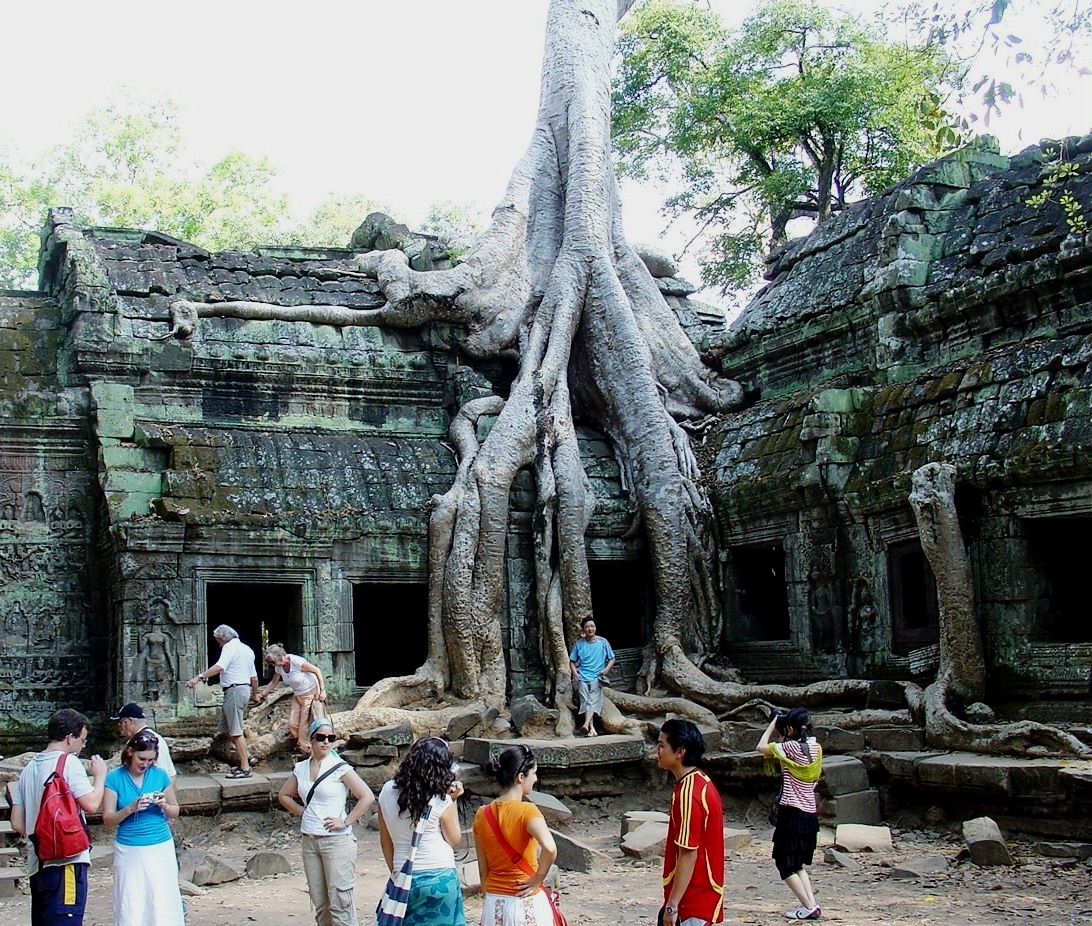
[(648, 706)]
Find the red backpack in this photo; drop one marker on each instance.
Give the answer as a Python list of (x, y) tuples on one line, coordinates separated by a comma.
[(60, 830)]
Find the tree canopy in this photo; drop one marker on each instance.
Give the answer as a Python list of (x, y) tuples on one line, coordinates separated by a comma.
[(794, 115)]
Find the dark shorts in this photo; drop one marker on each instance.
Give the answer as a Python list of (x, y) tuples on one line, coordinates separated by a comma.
[(794, 840), (58, 895)]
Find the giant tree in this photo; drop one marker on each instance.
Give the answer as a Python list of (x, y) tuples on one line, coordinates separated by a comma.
[(794, 115)]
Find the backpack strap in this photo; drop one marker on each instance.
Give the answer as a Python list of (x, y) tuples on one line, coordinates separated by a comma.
[(58, 771), (319, 780)]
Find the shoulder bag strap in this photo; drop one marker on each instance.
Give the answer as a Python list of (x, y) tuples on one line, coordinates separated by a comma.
[(517, 857), (319, 780)]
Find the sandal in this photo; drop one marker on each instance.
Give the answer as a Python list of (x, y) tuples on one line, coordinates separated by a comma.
[(238, 773)]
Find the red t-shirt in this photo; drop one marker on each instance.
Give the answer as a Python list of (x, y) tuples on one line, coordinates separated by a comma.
[(697, 822)]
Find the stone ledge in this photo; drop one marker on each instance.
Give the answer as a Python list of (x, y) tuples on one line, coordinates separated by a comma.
[(562, 754)]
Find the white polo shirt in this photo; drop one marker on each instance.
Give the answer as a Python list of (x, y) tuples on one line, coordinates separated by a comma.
[(236, 663)]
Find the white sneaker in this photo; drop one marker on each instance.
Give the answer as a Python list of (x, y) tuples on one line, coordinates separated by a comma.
[(798, 914)]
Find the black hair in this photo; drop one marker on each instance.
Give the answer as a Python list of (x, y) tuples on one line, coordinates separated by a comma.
[(586, 619), (684, 734), (425, 772), (66, 722), (799, 720), (510, 764)]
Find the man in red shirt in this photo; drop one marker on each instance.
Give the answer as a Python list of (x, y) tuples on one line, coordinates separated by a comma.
[(694, 858)]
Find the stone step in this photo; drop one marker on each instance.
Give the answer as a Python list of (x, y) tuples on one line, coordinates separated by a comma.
[(606, 749), (7, 834), (8, 881)]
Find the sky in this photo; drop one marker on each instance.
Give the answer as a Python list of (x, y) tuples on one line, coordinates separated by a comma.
[(408, 101)]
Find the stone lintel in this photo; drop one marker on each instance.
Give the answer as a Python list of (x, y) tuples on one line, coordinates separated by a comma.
[(570, 753)]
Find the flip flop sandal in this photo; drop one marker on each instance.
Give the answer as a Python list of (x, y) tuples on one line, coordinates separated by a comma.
[(239, 773)]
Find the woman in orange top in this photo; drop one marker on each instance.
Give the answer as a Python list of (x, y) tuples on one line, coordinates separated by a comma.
[(513, 894)]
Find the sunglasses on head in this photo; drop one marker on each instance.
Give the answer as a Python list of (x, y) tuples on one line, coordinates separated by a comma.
[(324, 737)]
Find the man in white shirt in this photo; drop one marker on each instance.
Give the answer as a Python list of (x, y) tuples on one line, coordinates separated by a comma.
[(58, 887), (131, 721), (239, 680)]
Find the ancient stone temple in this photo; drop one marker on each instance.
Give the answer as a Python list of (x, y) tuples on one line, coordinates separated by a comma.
[(276, 475)]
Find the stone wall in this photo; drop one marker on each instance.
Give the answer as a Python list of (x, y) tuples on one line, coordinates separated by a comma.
[(946, 320)]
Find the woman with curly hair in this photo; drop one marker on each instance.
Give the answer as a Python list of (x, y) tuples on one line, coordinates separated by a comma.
[(515, 847), (425, 788)]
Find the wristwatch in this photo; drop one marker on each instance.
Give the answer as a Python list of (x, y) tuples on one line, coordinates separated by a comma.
[(670, 910)]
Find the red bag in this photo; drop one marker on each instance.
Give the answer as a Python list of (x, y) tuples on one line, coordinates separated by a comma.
[(60, 830)]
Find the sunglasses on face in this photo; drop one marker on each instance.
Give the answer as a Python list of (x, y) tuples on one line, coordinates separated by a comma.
[(324, 737)]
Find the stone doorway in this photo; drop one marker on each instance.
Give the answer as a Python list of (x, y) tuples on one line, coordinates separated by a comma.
[(390, 629), (761, 612), (915, 616), (1058, 556), (261, 613)]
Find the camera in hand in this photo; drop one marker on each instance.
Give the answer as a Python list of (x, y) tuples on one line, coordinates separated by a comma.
[(779, 715)]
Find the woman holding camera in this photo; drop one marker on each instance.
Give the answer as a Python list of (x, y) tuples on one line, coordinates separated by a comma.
[(801, 761), (140, 801)]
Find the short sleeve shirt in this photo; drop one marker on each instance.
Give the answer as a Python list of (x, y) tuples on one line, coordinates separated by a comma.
[(236, 663), (696, 822), (147, 827), (28, 795), (513, 817), (298, 680), (591, 658)]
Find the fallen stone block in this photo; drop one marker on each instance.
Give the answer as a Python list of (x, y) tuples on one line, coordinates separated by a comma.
[(647, 841), (1078, 850), (9, 878), (552, 809), (267, 864), (213, 870), (197, 794), (737, 840), (858, 837), (103, 855), (461, 724), (920, 868), (841, 859), (984, 842), (632, 819), (393, 734), (189, 889), (574, 855), (470, 879)]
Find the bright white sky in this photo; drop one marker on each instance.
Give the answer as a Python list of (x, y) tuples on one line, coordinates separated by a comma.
[(408, 101)]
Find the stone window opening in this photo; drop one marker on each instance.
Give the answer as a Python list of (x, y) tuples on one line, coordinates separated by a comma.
[(1058, 557), (915, 617), (390, 629), (261, 613), (761, 611)]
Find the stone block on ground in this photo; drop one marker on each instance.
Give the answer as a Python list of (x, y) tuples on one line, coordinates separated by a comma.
[(605, 749), (267, 864), (859, 807), (646, 841), (244, 793), (189, 889), (841, 859), (531, 717), (985, 843), (552, 809), (843, 775), (736, 840), (393, 734), (858, 837), (103, 855), (920, 867), (574, 855), (214, 870), (461, 724), (632, 819), (1078, 850)]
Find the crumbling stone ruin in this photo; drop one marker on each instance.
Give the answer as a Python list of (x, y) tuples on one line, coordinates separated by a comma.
[(275, 475)]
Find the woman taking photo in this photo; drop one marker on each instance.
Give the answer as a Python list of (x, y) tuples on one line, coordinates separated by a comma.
[(140, 801), (316, 793), (801, 761), (510, 828), (425, 787)]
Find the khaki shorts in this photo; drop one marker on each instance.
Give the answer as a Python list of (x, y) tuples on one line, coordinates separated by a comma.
[(233, 709)]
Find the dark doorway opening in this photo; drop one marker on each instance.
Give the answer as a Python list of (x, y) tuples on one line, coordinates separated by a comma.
[(621, 596), (762, 600), (390, 629), (914, 614), (261, 613), (1058, 552)]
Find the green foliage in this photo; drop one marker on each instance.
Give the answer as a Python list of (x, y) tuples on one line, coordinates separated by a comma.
[(449, 220), (794, 115), (1057, 174), (332, 222)]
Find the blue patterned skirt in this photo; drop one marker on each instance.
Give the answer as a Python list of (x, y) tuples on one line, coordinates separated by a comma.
[(436, 899)]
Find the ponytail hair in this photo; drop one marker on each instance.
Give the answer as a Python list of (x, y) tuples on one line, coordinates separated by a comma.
[(800, 720), (509, 765)]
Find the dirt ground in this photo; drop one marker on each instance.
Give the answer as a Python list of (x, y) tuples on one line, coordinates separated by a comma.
[(1051, 891)]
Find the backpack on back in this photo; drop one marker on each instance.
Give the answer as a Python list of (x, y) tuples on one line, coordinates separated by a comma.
[(60, 830)]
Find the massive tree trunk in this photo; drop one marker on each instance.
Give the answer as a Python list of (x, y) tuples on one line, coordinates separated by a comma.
[(961, 673)]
